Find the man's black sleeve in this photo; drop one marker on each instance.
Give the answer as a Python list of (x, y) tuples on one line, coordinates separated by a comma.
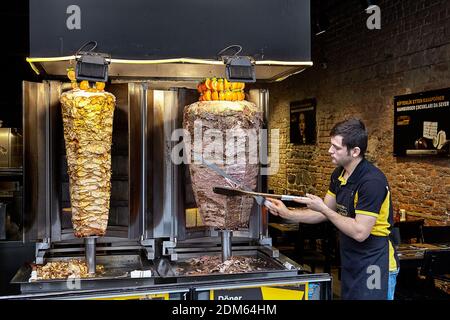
[(371, 196)]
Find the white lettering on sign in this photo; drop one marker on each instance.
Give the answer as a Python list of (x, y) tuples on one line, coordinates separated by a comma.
[(228, 298)]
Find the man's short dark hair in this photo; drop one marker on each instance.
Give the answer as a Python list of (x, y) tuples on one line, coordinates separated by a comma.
[(353, 132)]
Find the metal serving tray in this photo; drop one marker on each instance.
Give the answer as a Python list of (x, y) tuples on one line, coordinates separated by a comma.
[(117, 274), (276, 267)]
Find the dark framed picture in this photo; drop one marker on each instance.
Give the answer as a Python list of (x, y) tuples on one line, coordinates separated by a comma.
[(303, 122), (422, 123)]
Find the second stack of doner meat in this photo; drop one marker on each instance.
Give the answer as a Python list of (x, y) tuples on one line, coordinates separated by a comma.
[(229, 118), (88, 124)]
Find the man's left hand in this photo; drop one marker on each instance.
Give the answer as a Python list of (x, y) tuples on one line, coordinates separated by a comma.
[(313, 202)]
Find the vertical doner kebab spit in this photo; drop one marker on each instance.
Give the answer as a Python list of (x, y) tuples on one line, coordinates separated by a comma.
[(222, 108), (88, 123)]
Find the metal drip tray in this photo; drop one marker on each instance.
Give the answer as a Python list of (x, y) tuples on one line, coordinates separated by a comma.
[(263, 266), (117, 273)]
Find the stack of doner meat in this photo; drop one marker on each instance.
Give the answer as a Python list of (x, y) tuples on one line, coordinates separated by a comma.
[(226, 117), (88, 122)]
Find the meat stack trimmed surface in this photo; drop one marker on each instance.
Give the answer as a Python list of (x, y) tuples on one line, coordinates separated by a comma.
[(88, 124), (230, 213)]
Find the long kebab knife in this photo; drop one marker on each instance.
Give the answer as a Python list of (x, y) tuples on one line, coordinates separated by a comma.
[(259, 199), (228, 191)]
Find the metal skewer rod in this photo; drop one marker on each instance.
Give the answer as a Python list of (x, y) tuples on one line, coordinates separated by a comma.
[(90, 247), (226, 244)]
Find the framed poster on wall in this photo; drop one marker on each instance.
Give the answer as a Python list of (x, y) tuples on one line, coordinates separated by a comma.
[(422, 123), (303, 122)]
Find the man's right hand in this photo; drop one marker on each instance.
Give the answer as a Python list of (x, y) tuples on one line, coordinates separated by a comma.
[(277, 208)]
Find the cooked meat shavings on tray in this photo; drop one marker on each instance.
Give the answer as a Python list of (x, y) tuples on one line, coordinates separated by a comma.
[(213, 264), (73, 268)]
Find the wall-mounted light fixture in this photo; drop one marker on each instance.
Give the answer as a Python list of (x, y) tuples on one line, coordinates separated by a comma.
[(320, 24), (91, 66), (238, 68)]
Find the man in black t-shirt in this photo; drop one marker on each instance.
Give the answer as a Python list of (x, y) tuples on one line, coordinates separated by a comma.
[(358, 203)]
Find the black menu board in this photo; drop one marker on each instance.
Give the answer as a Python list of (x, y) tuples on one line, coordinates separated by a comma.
[(422, 124)]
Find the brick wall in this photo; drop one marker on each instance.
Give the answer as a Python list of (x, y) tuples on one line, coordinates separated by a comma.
[(364, 70)]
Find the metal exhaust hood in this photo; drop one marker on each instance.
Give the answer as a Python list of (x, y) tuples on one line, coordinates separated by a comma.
[(173, 40), (182, 69)]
